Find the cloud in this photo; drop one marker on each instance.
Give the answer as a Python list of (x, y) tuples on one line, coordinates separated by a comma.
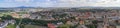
[(108, 3), (10, 4), (82, 3), (66, 3), (26, 1), (72, 3)]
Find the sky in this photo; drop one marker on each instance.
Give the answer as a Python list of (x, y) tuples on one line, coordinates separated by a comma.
[(60, 3)]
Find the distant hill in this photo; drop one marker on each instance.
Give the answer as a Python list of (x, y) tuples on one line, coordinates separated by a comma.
[(87, 7)]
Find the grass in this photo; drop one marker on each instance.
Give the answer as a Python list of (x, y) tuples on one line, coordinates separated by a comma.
[(33, 26), (11, 26)]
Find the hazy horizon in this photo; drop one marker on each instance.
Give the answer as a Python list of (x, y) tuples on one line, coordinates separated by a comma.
[(60, 3)]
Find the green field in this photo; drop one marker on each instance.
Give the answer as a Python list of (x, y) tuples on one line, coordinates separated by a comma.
[(11, 26), (33, 26)]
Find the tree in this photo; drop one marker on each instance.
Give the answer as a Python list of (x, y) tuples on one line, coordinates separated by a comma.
[(95, 22), (7, 17), (91, 26), (64, 26), (63, 15), (72, 18)]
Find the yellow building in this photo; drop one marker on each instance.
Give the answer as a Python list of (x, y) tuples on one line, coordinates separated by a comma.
[(15, 15)]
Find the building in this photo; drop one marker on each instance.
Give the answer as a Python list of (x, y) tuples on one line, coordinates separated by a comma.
[(3, 24), (50, 25), (25, 16), (15, 15)]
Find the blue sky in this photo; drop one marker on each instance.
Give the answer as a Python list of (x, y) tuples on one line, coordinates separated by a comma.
[(59, 3)]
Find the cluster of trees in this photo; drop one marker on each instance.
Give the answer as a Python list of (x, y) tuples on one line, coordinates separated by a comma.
[(7, 17), (26, 21), (6, 10), (29, 21), (91, 26), (59, 15), (94, 25)]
